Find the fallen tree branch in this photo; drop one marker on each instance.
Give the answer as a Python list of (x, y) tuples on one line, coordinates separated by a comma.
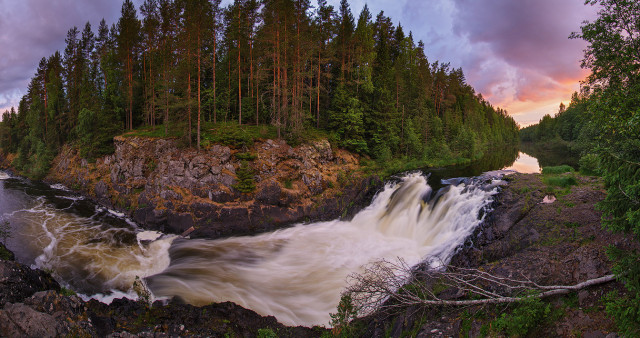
[(385, 285)]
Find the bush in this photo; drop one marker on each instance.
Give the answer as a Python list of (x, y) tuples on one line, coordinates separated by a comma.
[(561, 169), (266, 333), (590, 165), (340, 320), (625, 308), (528, 315), (245, 179)]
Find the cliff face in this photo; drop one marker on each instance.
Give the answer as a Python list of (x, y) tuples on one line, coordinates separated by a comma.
[(170, 189)]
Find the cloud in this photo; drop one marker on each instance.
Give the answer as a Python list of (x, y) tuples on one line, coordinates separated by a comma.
[(32, 29), (532, 57)]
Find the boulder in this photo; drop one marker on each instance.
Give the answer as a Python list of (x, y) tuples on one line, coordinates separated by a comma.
[(18, 282)]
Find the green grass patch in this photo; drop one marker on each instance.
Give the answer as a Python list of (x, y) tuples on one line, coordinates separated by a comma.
[(155, 132), (561, 169), (572, 224), (563, 181)]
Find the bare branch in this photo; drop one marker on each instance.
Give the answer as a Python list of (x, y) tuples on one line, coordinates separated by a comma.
[(387, 285)]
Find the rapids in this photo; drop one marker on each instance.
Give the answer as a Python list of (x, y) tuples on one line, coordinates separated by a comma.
[(295, 274)]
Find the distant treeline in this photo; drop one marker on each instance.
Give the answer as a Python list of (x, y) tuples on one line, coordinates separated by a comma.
[(179, 64), (571, 126)]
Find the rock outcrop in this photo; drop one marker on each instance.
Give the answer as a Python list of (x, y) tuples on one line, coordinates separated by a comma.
[(167, 188)]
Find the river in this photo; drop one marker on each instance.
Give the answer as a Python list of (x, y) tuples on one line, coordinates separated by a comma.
[(295, 274)]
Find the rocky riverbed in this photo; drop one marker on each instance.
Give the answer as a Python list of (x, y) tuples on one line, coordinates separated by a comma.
[(558, 243)]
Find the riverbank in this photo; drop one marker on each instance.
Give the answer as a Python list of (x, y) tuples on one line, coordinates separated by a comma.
[(559, 243)]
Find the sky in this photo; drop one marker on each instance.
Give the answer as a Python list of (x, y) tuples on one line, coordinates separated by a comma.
[(516, 53)]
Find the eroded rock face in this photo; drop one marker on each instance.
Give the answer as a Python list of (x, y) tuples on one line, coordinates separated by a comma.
[(164, 187)]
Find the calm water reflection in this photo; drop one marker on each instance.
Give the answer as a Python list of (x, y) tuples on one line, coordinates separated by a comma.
[(525, 164)]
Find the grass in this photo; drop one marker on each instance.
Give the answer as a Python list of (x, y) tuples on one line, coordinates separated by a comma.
[(561, 169), (563, 181)]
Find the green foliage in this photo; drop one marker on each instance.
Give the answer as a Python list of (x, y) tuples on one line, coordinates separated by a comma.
[(238, 136), (245, 173), (341, 319), (590, 165), (266, 333), (368, 87), (614, 105), (625, 308), (527, 315), (5, 254), (246, 156), (346, 119), (557, 170)]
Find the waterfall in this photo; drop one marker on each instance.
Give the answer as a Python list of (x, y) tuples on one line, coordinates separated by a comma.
[(297, 274)]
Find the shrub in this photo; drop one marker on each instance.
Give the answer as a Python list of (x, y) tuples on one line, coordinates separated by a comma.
[(245, 178), (526, 316), (246, 156), (266, 333), (590, 165), (340, 320)]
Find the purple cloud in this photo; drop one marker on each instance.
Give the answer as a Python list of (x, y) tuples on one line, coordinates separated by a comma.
[(33, 29), (529, 36)]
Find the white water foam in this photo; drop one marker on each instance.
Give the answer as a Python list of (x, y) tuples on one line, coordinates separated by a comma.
[(90, 256), (59, 186)]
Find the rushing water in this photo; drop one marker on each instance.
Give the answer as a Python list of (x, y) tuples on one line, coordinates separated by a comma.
[(296, 274)]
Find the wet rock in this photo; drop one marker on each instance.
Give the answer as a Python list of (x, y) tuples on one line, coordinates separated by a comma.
[(19, 320), (178, 223), (18, 282)]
